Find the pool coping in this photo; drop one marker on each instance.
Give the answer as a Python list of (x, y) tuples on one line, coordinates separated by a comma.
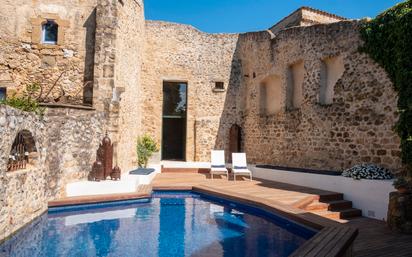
[(91, 199)]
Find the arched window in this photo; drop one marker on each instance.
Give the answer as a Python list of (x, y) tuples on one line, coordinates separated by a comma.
[(49, 32), (22, 152)]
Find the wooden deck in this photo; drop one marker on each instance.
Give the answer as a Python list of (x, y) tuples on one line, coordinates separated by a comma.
[(374, 239)]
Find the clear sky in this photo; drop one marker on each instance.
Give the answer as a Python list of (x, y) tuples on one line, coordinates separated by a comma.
[(216, 16)]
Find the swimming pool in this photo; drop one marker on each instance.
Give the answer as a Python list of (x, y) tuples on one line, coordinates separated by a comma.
[(169, 224)]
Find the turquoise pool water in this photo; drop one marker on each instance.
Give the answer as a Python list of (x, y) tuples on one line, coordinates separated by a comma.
[(170, 224)]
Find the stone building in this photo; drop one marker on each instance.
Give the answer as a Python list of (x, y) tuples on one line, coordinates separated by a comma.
[(298, 94)]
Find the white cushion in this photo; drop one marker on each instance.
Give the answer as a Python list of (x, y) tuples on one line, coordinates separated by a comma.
[(218, 170), (241, 171), (217, 159), (239, 160)]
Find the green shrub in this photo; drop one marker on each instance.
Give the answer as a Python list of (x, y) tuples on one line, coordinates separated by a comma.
[(401, 182), (27, 101), (388, 40), (145, 148)]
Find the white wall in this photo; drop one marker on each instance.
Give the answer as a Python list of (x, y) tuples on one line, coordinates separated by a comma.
[(371, 196)]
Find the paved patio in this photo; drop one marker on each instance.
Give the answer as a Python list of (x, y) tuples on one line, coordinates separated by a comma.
[(374, 239)]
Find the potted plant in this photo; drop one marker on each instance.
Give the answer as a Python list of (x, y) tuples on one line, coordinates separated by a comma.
[(402, 185), (145, 148)]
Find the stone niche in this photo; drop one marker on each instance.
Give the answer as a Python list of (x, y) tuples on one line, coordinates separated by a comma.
[(271, 95), (23, 153), (332, 69), (295, 77)]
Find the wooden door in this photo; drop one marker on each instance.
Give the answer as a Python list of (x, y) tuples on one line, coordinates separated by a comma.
[(235, 140)]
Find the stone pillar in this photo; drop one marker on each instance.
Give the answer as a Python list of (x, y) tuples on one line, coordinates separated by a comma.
[(400, 212), (105, 54), (119, 47), (104, 69)]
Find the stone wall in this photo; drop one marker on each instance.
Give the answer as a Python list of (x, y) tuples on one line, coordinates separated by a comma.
[(304, 131), (129, 58), (334, 106), (175, 52), (400, 212), (105, 55), (118, 59), (72, 139), (25, 60), (22, 193), (305, 16), (357, 127), (66, 142)]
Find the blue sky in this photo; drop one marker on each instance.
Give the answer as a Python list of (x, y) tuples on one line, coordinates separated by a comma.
[(215, 16)]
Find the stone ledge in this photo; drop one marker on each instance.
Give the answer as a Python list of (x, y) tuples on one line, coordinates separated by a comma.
[(215, 90), (68, 106)]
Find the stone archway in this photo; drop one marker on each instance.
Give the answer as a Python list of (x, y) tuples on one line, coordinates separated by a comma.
[(235, 140)]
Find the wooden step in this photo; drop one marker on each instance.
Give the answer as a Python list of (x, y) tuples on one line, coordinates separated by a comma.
[(330, 197), (331, 241), (329, 206), (317, 206), (327, 214), (350, 213), (342, 214), (339, 205)]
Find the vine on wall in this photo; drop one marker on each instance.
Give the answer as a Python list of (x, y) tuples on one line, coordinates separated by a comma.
[(388, 40)]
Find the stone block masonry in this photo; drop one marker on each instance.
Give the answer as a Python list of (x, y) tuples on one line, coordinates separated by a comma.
[(302, 96), (128, 75), (120, 30), (175, 52), (24, 59), (356, 127), (305, 130), (22, 193), (65, 140)]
